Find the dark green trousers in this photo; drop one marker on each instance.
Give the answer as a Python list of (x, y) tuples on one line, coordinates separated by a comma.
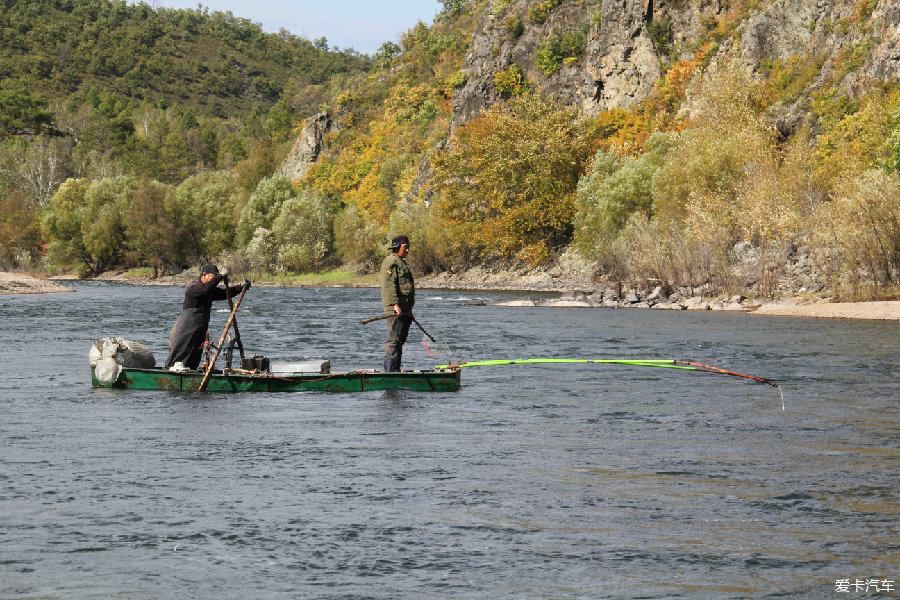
[(397, 330)]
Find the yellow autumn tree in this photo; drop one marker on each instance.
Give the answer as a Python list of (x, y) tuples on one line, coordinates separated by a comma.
[(506, 184)]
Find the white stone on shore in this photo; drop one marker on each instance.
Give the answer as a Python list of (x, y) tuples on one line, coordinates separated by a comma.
[(668, 306), (696, 303)]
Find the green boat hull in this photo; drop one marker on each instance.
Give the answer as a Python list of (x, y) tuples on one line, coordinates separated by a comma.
[(356, 381)]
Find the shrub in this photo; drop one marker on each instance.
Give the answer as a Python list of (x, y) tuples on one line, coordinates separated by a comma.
[(560, 48), (861, 226), (211, 203), (515, 27), (614, 191), (540, 12), (511, 81), (430, 241), (262, 251), (660, 33), (455, 81), (357, 239), (659, 251), (263, 206)]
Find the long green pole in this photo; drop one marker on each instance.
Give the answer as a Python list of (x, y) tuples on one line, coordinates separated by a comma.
[(663, 363)]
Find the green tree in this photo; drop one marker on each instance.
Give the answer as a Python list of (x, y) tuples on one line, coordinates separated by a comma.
[(452, 9), (280, 120), (103, 229), (23, 113), (211, 204), (303, 231), (264, 206), (154, 227), (84, 223), (614, 191), (62, 224)]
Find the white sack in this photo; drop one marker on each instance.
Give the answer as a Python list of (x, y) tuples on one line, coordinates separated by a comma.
[(123, 352), (107, 370)]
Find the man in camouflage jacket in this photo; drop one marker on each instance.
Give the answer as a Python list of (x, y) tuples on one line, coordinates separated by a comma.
[(398, 294)]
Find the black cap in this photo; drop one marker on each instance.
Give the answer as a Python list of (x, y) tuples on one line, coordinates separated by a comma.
[(210, 268), (398, 241)]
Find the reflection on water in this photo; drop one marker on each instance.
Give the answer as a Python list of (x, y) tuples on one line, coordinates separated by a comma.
[(576, 481)]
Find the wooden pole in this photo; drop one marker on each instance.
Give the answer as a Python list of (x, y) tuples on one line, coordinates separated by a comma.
[(422, 328), (212, 363), (387, 316), (237, 334)]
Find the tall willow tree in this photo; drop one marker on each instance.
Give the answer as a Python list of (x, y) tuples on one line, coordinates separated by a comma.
[(506, 185)]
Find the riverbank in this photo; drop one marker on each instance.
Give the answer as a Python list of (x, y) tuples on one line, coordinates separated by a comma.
[(880, 311), (18, 283), (575, 289)]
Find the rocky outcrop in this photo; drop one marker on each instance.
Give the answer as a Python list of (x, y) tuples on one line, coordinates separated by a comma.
[(307, 148), (621, 60), (625, 56)]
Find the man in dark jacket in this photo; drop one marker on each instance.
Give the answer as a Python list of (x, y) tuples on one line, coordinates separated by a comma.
[(189, 332), (398, 294)]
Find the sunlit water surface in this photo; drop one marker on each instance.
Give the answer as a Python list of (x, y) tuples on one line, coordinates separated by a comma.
[(575, 481)]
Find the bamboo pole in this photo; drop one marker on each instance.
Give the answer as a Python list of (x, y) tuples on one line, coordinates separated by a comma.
[(212, 363)]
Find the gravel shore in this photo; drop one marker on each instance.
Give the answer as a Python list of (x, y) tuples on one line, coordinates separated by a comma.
[(880, 311), (16, 283)]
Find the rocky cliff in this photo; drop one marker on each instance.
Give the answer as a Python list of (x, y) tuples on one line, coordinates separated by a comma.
[(629, 44), (307, 147)]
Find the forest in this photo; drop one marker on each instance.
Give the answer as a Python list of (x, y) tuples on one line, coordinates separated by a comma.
[(133, 137)]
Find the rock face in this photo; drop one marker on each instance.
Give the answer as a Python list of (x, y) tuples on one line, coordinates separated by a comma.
[(307, 148), (622, 63)]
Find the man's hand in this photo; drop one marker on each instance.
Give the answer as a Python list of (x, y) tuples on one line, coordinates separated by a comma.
[(247, 284), (397, 310)]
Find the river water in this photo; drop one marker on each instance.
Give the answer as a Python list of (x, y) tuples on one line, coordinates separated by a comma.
[(539, 481)]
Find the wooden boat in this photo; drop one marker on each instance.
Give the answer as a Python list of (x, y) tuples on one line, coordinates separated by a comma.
[(312, 377), (438, 380)]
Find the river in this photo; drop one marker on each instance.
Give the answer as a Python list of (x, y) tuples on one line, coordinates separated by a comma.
[(538, 481)]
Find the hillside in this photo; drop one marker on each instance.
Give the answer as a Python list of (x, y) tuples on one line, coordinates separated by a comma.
[(740, 146), (737, 141), (93, 89), (210, 63)]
